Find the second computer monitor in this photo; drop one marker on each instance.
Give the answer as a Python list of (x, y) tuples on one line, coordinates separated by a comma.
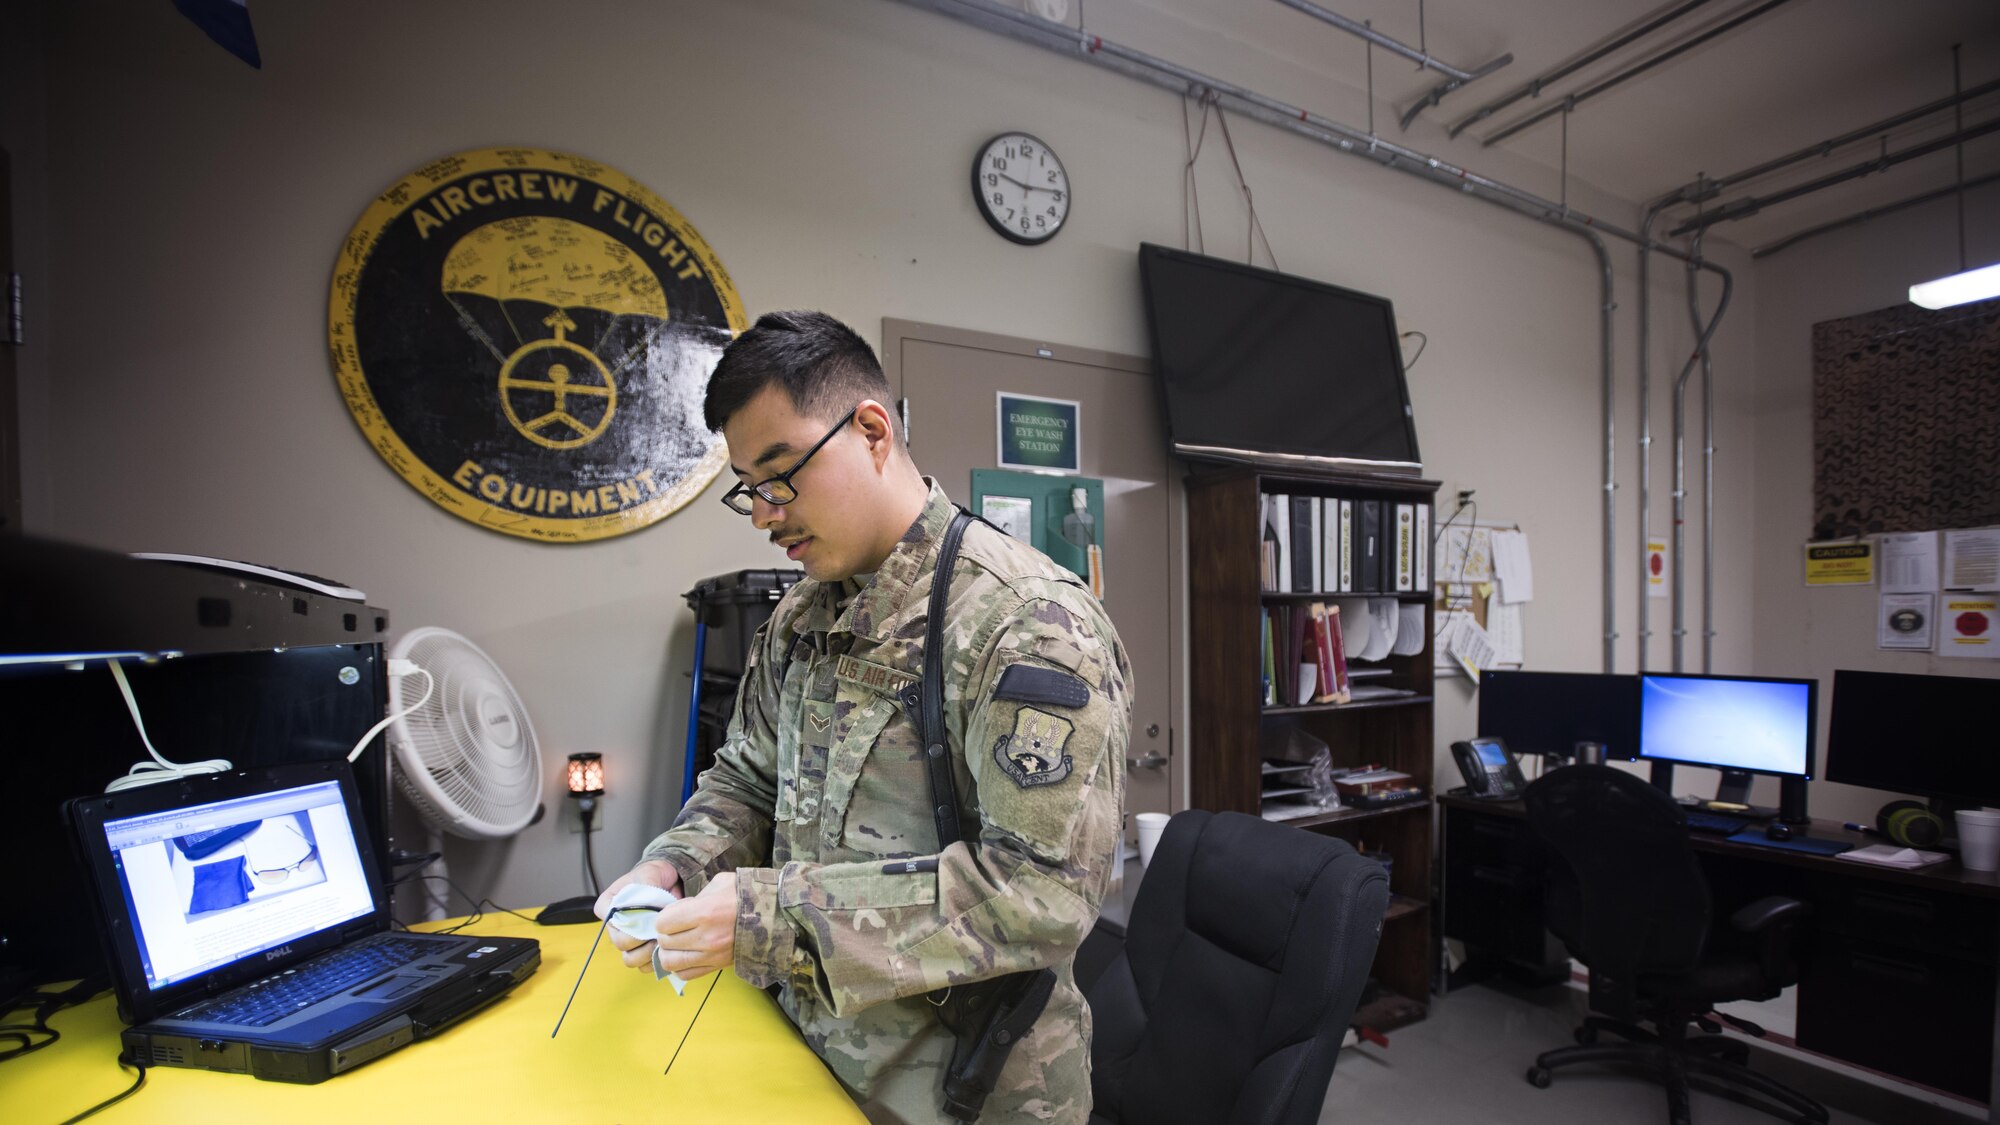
[(1729, 723), (1551, 712)]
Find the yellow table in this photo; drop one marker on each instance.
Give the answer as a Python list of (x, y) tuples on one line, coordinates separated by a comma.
[(743, 1062)]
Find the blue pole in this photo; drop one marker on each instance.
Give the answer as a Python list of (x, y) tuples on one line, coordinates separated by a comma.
[(694, 709)]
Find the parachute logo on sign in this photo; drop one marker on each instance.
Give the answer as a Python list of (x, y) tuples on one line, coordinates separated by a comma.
[(525, 338)]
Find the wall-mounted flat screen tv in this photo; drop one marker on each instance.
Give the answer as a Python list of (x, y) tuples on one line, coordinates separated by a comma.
[(1262, 367)]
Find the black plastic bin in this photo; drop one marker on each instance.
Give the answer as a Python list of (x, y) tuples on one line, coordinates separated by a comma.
[(733, 607)]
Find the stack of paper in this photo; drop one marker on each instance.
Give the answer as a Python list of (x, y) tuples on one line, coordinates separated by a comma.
[(1886, 855)]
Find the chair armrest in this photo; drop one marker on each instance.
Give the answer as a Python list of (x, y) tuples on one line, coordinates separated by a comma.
[(1773, 921), (1762, 914)]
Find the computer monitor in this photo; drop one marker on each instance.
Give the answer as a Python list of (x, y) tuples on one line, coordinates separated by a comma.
[(1550, 713), (1928, 735), (1741, 725)]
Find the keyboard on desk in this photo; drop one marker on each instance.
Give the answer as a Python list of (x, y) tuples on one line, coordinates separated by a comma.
[(1716, 823), (269, 1000)]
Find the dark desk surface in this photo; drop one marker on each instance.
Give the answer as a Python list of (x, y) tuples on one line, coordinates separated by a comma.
[(1947, 877)]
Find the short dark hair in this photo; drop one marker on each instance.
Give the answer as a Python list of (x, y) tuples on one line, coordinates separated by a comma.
[(824, 366)]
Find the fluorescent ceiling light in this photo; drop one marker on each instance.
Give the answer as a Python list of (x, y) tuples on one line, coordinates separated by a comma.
[(1958, 289)]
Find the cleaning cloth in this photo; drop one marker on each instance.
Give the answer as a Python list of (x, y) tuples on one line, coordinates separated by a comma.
[(633, 911)]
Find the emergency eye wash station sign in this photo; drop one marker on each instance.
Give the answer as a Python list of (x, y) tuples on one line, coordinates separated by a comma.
[(1038, 434)]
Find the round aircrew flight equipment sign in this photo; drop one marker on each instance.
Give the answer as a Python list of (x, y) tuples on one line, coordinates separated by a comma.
[(525, 337)]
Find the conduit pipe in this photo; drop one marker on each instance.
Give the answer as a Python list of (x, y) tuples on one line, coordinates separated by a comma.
[(1707, 468), (1635, 70), (1827, 146), (1646, 427), (1871, 213), (1750, 205), (1363, 31), (1680, 457), (1537, 84), (1159, 72)]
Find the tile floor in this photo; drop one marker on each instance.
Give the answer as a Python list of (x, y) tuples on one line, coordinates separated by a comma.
[(1466, 1065)]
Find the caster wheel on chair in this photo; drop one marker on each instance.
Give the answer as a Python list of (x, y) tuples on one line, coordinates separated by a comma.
[(1586, 1035), (1539, 1077)]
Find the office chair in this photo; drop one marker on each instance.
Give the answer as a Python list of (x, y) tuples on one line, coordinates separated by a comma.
[(1628, 898), (1226, 1000)]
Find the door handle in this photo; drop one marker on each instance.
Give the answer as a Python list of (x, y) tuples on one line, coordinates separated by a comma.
[(1146, 762)]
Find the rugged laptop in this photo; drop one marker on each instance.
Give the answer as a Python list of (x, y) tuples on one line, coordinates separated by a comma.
[(247, 928)]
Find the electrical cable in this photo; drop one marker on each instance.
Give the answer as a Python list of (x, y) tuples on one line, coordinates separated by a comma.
[(589, 815), (1190, 188), (123, 1062), (1465, 557), (1423, 342), (1255, 229), (398, 668), (159, 769), (479, 905)]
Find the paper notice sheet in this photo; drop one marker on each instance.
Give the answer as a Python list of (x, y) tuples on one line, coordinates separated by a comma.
[(1910, 563), (1503, 628), (1972, 559), (1906, 622), (1471, 648), (1512, 568)]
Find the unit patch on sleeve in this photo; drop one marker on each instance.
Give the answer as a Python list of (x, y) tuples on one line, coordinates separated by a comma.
[(1035, 752)]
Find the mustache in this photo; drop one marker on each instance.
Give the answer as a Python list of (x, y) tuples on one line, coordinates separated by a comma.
[(784, 533)]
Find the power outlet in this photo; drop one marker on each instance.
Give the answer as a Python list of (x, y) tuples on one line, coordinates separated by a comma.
[(572, 816)]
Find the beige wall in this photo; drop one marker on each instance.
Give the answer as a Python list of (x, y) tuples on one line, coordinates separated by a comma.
[(195, 208), (1802, 632)]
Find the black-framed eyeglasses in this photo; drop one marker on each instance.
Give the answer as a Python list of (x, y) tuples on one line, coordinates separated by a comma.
[(269, 875), (778, 490)]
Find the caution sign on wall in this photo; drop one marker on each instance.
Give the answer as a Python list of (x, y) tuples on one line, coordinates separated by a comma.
[(525, 337)]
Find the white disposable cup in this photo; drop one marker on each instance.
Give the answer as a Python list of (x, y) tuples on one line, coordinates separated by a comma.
[(1979, 839), (1151, 824)]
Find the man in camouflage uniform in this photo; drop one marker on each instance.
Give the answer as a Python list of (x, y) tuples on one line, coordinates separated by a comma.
[(809, 853)]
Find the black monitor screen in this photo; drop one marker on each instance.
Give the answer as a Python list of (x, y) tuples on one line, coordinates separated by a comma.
[(1728, 722), (1929, 735), (1255, 363), (1550, 712)]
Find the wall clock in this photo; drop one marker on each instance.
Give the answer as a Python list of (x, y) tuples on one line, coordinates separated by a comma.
[(1021, 188)]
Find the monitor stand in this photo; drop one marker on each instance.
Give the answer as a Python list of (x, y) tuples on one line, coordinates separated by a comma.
[(1734, 788)]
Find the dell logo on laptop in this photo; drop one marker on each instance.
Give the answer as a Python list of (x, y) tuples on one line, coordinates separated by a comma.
[(274, 954)]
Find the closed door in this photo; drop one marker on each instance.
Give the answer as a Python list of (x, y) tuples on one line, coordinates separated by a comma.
[(949, 378)]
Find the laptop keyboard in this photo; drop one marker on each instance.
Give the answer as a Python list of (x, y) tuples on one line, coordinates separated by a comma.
[(273, 998)]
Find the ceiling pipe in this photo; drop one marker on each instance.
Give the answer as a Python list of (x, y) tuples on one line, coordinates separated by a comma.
[(1439, 91), (1541, 81), (1421, 58), (1136, 64), (1750, 205), (1346, 138), (1827, 146), (1871, 213), (1635, 71)]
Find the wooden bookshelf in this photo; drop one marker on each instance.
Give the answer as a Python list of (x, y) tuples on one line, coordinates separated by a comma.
[(1229, 718)]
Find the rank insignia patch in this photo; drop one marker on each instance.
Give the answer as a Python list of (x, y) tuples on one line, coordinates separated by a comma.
[(525, 337), (1035, 752)]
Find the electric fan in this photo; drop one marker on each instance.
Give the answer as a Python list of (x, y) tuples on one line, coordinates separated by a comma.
[(467, 757)]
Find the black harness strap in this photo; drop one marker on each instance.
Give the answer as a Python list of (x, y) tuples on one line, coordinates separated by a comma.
[(928, 692)]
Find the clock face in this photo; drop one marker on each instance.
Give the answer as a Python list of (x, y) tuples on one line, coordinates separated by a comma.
[(1021, 188)]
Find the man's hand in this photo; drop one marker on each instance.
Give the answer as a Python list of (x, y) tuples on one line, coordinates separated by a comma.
[(697, 935), (653, 872)]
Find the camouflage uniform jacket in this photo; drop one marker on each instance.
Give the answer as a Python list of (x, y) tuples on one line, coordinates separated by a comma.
[(819, 801)]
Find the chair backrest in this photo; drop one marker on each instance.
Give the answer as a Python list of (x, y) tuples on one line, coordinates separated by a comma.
[(1628, 898), (1245, 956)]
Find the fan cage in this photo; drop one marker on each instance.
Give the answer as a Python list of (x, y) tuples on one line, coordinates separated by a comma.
[(468, 758)]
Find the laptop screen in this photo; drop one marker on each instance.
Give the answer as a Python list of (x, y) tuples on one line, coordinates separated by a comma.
[(210, 884)]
